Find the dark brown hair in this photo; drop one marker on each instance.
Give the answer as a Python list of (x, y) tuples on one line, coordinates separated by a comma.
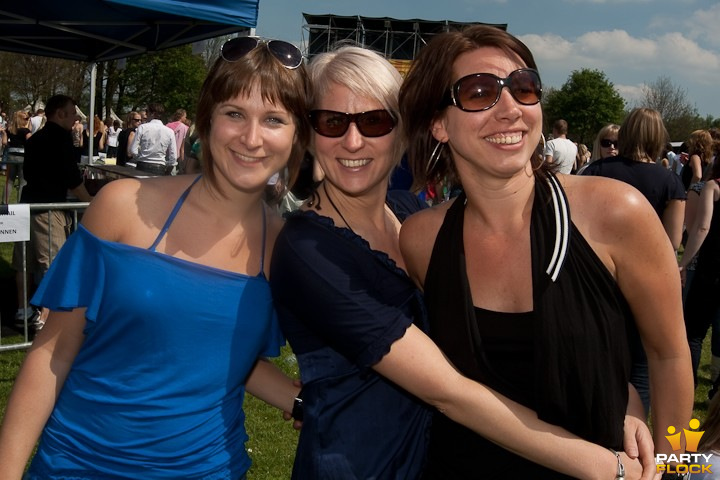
[(423, 94), (276, 84)]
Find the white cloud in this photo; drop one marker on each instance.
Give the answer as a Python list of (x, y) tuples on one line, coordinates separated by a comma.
[(702, 25), (631, 93), (635, 60)]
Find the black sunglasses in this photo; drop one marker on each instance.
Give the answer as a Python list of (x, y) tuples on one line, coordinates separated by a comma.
[(374, 123), (479, 91), (607, 143), (286, 53)]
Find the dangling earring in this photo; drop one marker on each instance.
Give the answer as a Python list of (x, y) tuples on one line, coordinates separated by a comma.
[(542, 153), (434, 157)]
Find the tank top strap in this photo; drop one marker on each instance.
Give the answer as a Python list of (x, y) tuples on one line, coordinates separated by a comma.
[(173, 214), (262, 250)]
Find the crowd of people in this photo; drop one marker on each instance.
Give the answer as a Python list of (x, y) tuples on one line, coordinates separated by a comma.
[(526, 326)]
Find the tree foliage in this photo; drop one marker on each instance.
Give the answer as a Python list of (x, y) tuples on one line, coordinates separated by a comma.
[(679, 115), (587, 101), (172, 77), (26, 80)]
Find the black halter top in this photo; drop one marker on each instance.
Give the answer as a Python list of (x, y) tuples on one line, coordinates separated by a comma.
[(580, 368)]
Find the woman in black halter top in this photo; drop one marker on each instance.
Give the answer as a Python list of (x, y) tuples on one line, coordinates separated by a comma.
[(531, 278)]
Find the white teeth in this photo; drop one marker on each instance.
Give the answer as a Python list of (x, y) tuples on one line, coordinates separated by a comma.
[(505, 140), (247, 159), (354, 163)]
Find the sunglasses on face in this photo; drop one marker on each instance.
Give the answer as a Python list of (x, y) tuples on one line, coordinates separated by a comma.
[(286, 53), (374, 123), (607, 143), (479, 91)]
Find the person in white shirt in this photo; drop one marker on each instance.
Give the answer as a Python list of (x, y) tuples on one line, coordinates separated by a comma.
[(153, 148), (37, 120), (560, 150), (112, 139)]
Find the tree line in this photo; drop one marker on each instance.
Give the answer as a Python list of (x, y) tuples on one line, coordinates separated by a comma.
[(589, 101), (173, 77)]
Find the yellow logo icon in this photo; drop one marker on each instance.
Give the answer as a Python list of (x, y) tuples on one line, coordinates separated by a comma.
[(688, 462), (692, 439)]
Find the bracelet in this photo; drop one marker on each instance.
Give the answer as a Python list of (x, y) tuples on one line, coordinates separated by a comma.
[(297, 411), (620, 475)]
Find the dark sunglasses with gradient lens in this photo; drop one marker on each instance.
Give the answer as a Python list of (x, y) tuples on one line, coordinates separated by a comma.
[(479, 91), (288, 54), (374, 123), (607, 143)]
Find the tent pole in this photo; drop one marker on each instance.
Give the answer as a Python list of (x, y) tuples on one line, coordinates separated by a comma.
[(91, 113)]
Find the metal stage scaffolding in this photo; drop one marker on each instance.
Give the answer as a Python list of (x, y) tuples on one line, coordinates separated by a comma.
[(398, 40)]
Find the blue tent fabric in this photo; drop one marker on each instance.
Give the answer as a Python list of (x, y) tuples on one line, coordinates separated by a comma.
[(99, 30)]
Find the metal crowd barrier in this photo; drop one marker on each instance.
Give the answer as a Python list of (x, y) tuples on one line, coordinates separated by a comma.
[(75, 208)]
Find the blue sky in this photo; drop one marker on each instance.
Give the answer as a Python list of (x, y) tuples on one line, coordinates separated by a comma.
[(633, 42)]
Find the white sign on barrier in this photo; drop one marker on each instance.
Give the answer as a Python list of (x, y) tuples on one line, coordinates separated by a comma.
[(15, 223)]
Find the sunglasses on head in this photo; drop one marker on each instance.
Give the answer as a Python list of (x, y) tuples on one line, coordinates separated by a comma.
[(607, 143), (286, 53), (479, 91), (374, 123)]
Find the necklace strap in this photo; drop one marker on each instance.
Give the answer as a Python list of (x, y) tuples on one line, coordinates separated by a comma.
[(336, 208)]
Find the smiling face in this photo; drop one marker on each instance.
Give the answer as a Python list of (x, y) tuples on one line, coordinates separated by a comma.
[(499, 141), (249, 140), (353, 163)]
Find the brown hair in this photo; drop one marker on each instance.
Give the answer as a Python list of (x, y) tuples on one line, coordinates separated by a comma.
[(179, 113), (701, 144), (97, 125), (423, 94), (711, 426), (276, 84), (642, 135)]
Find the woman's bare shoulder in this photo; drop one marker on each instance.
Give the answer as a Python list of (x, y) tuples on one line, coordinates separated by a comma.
[(605, 209), (417, 239), (126, 205)]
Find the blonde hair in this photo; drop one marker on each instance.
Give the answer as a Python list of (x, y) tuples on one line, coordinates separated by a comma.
[(20, 120), (366, 74), (608, 130)]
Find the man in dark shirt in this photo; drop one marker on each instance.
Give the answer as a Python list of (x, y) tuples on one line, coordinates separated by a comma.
[(51, 171)]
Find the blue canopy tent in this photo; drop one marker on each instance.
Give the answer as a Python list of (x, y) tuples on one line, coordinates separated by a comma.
[(100, 30)]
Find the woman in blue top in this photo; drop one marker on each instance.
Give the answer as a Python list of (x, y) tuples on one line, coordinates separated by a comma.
[(356, 321), (160, 307)]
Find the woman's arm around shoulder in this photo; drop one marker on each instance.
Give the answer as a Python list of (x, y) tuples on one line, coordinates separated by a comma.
[(416, 364)]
